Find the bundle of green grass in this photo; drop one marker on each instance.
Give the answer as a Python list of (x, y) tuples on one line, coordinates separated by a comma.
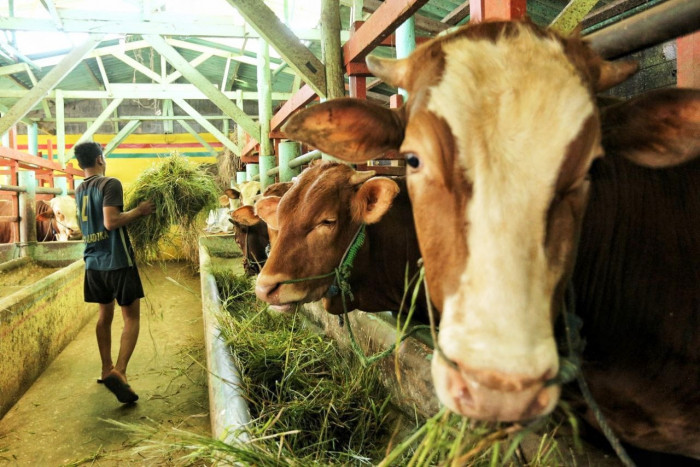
[(182, 194)]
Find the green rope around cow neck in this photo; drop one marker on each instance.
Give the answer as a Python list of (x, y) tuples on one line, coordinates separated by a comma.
[(343, 271), (341, 285)]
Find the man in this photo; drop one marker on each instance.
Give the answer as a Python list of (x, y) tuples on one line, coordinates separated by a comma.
[(110, 269)]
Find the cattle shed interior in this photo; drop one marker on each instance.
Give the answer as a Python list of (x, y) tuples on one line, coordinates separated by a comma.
[(214, 82)]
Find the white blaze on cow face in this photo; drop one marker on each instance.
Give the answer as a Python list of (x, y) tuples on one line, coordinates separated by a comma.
[(512, 110), (63, 212)]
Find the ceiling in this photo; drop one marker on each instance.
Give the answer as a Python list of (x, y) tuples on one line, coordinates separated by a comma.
[(214, 39)]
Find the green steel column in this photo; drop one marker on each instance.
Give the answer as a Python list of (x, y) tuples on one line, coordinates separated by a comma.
[(251, 171), (266, 163), (60, 128), (241, 177), (33, 138), (27, 214), (62, 183), (405, 43), (264, 98), (240, 132), (288, 151)]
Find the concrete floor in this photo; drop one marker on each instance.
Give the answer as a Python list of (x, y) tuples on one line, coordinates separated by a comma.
[(64, 417)]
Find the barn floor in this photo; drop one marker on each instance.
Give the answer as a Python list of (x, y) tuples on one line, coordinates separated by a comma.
[(65, 416)]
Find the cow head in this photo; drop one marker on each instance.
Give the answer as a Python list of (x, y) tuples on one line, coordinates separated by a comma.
[(317, 220), (62, 212), (251, 235), (498, 134)]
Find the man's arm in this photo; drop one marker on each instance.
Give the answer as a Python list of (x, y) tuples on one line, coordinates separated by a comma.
[(114, 218)]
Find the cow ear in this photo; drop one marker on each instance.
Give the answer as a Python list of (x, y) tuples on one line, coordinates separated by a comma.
[(266, 208), (231, 193), (47, 211), (374, 199), (245, 215), (392, 72), (351, 129)]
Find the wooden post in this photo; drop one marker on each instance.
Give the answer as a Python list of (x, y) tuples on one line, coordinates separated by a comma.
[(331, 49), (288, 151), (481, 10), (688, 61), (264, 97), (27, 214), (13, 136)]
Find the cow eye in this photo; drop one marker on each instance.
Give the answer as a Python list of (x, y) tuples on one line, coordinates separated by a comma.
[(412, 159), (328, 222)]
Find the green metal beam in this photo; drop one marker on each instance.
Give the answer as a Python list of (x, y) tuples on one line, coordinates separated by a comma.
[(571, 16), (279, 36), (121, 136), (196, 136), (199, 80), (101, 22), (90, 131), (60, 128), (146, 91), (47, 83), (207, 125)]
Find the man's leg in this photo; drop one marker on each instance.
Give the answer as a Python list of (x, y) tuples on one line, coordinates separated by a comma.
[(131, 314), (104, 336)]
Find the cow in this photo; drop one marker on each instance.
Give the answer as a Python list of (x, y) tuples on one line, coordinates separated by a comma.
[(55, 220), (252, 234), (499, 135), (318, 220)]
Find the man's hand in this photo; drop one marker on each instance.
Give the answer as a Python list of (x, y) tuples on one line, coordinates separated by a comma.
[(146, 207)]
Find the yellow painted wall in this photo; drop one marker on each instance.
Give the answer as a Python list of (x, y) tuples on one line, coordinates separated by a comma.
[(137, 152)]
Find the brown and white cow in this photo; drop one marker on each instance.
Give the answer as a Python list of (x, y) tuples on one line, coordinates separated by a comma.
[(55, 220), (318, 219), (499, 134), (253, 236)]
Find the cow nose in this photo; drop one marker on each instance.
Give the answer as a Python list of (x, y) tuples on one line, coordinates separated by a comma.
[(497, 396), (265, 288)]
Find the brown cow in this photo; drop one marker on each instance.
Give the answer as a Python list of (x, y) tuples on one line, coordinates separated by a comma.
[(499, 134), (318, 219), (252, 234)]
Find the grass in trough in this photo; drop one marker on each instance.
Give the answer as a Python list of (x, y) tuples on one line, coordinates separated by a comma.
[(312, 402), (181, 192)]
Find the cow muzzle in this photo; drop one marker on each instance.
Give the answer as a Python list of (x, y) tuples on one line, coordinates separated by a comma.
[(281, 297), (491, 395)]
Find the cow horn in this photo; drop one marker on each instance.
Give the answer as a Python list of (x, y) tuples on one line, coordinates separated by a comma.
[(361, 177), (392, 72), (614, 73)]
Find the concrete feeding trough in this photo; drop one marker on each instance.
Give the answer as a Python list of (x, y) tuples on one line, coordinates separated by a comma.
[(407, 377), (38, 320)]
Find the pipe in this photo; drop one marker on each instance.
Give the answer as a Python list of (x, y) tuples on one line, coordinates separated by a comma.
[(662, 23)]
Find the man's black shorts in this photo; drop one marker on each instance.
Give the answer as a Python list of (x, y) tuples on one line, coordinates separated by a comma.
[(104, 286)]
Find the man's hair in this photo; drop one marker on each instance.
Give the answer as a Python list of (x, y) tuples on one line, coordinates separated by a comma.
[(87, 153)]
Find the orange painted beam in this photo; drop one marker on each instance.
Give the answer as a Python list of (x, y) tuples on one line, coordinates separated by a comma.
[(688, 61), (378, 27), (302, 97), (29, 161), (481, 10)]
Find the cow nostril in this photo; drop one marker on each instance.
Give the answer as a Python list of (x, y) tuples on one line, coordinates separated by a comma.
[(538, 404), (265, 291)]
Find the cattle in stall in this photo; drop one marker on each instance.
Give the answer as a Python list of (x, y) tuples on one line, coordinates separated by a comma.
[(499, 134), (55, 220), (252, 234), (318, 220)]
